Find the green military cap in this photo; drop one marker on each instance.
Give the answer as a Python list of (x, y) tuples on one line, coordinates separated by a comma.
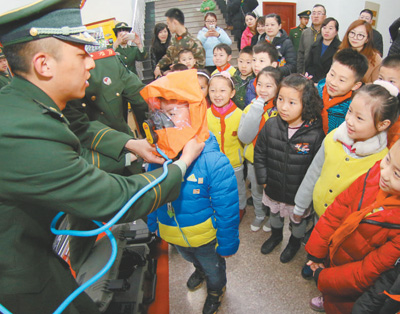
[(121, 26), (44, 18), (305, 13)]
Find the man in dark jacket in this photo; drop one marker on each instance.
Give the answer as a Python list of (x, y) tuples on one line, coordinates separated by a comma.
[(395, 35), (367, 16)]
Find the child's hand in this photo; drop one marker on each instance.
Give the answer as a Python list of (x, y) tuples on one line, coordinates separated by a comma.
[(314, 266), (226, 256), (295, 218)]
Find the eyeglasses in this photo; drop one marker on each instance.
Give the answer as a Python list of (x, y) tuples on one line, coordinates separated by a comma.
[(357, 36), (213, 21), (318, 13)]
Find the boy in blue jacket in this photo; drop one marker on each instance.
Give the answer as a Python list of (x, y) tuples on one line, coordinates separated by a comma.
[(203, 223)]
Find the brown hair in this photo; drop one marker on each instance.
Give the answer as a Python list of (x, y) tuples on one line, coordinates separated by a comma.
[(369, 51)]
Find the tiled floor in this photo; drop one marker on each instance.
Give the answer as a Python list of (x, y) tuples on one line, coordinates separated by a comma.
[(257, 283)]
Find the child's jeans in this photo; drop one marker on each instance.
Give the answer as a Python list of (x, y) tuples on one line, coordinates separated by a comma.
[(207, 259), (239, 173)]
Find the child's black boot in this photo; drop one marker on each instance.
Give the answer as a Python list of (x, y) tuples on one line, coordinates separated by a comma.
[(275, 238), (195, 280), (291, 249), (213, 301)]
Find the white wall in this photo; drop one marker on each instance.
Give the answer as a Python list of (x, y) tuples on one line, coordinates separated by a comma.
[(98, 10), (346, 11)]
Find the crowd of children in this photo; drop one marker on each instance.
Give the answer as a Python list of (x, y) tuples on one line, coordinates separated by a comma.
[(310, 151)]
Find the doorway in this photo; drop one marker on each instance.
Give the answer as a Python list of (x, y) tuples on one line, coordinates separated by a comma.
[(286, 10)]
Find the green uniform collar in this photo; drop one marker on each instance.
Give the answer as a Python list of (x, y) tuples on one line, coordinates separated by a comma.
[(38, 96)]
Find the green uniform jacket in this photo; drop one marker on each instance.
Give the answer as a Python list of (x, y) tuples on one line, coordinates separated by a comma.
[(186, 41), (295, 35), (98, 119), (5, 79), (130, 55), (42, 173), (241, 88)]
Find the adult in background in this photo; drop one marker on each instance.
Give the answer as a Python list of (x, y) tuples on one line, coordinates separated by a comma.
[(237, 10), (260, 27), (5, 76), (210, 36), (181, 40), (394, 34), (44, 43), (358, 36), (310, 35), (321, 54), (250, 31), (129, 54), (161, 41), (295, 32), (367, 16), (279, 38)]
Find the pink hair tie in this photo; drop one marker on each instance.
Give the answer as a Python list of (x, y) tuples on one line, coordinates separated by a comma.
[(226, 75)]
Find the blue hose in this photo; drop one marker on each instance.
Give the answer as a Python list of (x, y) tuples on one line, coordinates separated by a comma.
[(102, 228)]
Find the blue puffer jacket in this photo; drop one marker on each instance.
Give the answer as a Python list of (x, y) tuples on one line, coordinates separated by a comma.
[(207, 207), (336, 114), (210, 42)]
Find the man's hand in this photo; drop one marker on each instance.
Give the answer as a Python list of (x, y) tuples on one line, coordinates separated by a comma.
[(136, 40), (144, 150), (191, 151)]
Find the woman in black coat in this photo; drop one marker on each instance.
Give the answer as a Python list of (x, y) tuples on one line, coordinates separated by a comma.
[(280, 39), (320, 58)]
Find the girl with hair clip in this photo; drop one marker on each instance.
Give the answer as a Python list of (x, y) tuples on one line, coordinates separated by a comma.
[(284, 150), (253, 119), (223, 121), (358, 236), (359, 37), (159, 45), (348, 151)]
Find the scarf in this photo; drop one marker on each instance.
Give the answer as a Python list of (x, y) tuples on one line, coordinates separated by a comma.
[(329, 103), (221, 113), (224, 68), (267, 106), (368, 147), (352, 221)]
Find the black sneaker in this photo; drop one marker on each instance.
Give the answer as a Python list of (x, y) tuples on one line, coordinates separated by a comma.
[(195, 280), (213, 301)]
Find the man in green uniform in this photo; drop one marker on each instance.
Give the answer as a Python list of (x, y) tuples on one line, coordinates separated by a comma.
[(295, 32), (41, 171), (182, 40), (99, 119), (129, 54), (5, 77)]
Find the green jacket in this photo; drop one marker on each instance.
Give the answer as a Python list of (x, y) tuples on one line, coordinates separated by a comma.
[(186, 41), (98, 119), (241, 88), (42, 173), (130, 55), (295, 35), (208, 3), (5, 79)]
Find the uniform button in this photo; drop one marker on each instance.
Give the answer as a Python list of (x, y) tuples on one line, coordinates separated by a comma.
[(83, 105), (347, 159), (93, 98), (117, 94), (102, 112), (126, 58), (338, 176)]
